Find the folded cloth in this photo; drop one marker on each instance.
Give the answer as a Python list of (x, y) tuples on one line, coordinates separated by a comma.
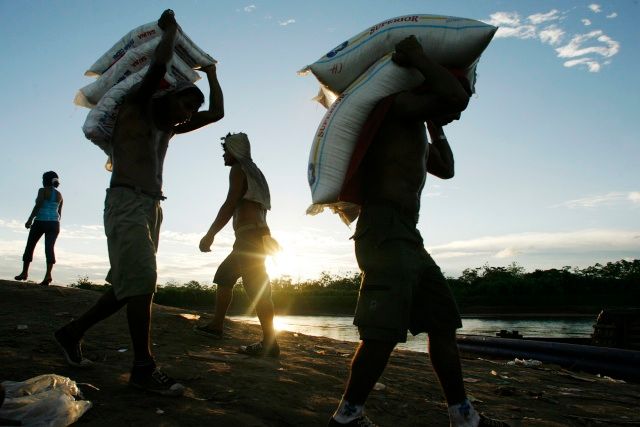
[(257, 188)]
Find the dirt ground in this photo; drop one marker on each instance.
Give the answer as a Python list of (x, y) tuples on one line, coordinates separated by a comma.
[(301, 388)]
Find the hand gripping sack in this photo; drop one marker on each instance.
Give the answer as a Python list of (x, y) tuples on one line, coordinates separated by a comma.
[(450, 41)]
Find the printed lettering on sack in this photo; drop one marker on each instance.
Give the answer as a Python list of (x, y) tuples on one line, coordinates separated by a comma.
[(337, 49), (393, 21), (327, 116), (120, 53), (146, 34)]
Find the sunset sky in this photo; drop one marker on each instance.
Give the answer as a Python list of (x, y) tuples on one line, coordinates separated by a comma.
[(547, 153)]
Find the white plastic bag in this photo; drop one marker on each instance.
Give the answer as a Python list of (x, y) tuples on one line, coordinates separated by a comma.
[(188, 51), (450, 41), (43, 401)]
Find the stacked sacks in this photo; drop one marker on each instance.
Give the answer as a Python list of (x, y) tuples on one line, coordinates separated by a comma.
[(359, 73), (122, 67)]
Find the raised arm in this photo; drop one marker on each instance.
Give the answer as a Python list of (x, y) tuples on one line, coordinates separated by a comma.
[(216, 105), (440, 157), (443, 93), (36, 208), (237, 181), (161, 57)]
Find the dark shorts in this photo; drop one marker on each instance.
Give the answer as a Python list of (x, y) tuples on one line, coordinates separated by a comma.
[(247, 261), (402, 288), (132, 224)]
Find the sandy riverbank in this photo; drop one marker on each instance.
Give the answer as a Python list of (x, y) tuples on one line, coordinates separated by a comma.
[(300, 389)]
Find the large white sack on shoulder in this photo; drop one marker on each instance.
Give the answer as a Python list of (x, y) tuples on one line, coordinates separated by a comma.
[(450, 41), (99, 124), (190, 53), (337, 135), (133, 61)]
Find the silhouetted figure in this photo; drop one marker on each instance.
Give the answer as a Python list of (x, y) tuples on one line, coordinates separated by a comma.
[(146, 121), (402, 288), (44, 219), (247, 203)]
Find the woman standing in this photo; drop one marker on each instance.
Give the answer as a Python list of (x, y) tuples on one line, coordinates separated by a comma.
[(46, 213)]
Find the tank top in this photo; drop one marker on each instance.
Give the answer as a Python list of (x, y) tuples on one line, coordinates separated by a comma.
[(49, 209)]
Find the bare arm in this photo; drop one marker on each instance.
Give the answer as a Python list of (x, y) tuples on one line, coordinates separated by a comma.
[(444, 94), (161, 57), (440, 157), (216, 105), (236, 191), (36, 208), (60, 207)]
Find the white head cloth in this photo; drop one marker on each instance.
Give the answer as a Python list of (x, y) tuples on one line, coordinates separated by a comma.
[(238, 146)]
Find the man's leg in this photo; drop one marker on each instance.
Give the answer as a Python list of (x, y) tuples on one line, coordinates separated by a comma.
[(368, 363), (139, 319), (445, 360), (70, 335), (224, 296)]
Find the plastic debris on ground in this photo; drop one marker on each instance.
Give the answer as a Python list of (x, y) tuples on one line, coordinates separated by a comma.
[(46, 401)]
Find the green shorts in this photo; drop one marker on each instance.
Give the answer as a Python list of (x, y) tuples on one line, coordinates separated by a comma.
[(402, 288), (132, 224), (247, 261)]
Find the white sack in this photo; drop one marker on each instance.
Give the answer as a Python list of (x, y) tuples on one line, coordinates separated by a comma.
[(132, 61), (188, 51), (337, 135), (99, 124), (450, 41)]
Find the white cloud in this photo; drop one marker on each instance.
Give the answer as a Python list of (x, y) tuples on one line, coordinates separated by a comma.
[(582, 50), (595, 8), (608, 199), (12, 224), (511, 245), (592, 65), (287, 22), (539, 18), (607, 48), (612, 15), (250, 8), (551, 35)]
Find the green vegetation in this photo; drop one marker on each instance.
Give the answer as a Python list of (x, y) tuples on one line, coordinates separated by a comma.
[(489, 290)]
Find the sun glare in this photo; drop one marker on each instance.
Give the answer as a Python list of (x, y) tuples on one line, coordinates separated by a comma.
[(284, 264)]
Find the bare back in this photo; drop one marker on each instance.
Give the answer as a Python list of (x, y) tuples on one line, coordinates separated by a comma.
[(395, 166), (139, 147)]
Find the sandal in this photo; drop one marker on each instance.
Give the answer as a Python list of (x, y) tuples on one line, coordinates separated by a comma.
[(258, 349), (216, 334)]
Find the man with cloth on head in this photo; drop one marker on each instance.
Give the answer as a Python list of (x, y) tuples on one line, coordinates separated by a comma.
[(146, 121), (248, 201)]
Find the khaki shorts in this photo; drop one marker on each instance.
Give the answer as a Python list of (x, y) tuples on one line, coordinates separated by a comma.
[(132, 225), (402, 288), (247, 261)]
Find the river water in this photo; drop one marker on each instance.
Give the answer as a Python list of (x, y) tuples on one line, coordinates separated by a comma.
[(341, 327)]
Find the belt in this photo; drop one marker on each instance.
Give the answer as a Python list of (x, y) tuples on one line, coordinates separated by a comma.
[(154, 195), (250, 227)]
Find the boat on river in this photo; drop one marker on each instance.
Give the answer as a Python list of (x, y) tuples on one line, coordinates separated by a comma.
[(612, 350)]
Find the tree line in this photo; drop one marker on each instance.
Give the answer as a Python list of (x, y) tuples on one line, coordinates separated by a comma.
[(483, 290)]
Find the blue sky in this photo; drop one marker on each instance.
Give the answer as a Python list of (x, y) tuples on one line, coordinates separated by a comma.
[(546, 154)]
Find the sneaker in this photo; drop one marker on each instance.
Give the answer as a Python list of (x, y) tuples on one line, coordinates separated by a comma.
[(361, 421), (488, 422), (258, 349), (71, 348), (208, 332), (152, 379)]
